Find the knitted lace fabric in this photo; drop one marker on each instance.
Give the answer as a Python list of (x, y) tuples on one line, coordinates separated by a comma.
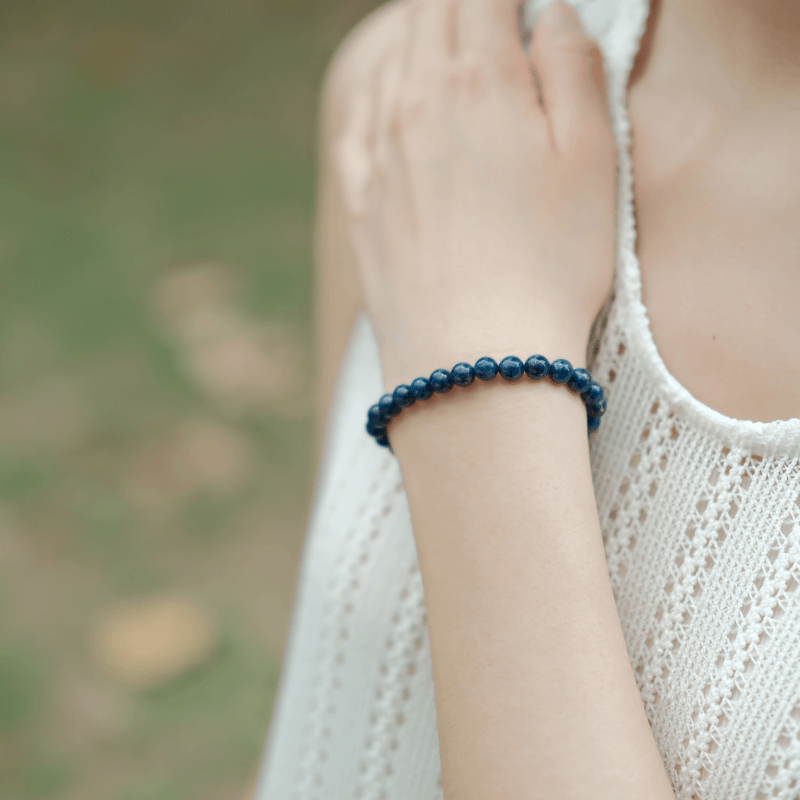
[(701, 525)]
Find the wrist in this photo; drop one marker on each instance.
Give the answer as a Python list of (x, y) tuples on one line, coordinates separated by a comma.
[(412, 357), (511, 369), (525, 416)]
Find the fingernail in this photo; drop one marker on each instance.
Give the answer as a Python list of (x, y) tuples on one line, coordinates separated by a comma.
[(562, 17)]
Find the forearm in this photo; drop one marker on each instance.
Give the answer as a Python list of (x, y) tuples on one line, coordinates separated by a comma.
[(480, 207), (535, 693)]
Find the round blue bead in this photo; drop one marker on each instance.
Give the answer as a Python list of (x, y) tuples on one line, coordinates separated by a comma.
[(486, 369), (512, 368), (441, 381), (383, 441), (376, 428), (593, 394), (463, 374), (537, 367), (592, 423), (403, 397), (560, 370), (421, 388), (388, 406), (597, 409), (580, 380), (375, 414)]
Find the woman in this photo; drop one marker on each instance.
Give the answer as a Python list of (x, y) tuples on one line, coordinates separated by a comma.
[(620, 620)]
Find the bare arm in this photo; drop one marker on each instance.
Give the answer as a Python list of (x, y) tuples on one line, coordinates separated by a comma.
[(535, 692), (483, 225)]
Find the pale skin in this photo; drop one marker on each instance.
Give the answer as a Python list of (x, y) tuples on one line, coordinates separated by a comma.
[(436, 158)]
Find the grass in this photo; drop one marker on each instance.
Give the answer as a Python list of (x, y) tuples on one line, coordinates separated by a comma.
[(138, 141)]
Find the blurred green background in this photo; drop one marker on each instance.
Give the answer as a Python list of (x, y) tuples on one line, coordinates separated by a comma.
[(156, 198)]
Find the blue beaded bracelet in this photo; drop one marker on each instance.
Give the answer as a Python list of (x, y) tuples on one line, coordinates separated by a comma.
[(510, 368)]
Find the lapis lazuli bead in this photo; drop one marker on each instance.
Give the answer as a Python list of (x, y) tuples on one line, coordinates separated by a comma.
[(512, 368), (537, 367), (441, 381), (580, 380), (421, 388), (486, 369), (463, 374), (593, 394), (376, 428), (597, 409), (403, 397), (388, 406), (560, 370)]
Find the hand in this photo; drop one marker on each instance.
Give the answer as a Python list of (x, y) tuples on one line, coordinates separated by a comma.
[(480, 188)]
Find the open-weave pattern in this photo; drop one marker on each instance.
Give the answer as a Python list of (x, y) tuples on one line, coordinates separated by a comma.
[(702, 540), (701, 526)]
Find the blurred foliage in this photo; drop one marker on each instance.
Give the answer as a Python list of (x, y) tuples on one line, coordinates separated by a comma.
[(139, 141)]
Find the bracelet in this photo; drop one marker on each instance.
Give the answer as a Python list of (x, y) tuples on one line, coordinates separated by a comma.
[(510, 368)]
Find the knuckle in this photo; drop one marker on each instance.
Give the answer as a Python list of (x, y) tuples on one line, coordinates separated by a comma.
[(474, 75), (513, 68), (468, 77), (576, 43)]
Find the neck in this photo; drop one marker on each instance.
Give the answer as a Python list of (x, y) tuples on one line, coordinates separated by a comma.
[(751, 46)]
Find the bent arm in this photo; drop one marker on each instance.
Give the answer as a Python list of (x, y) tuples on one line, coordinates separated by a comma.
[(535, 694), (482, 217)]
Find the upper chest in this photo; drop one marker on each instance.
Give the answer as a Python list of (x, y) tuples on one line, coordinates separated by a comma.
[(718, 218)]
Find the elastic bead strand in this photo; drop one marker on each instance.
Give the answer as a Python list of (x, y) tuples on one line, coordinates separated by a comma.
[(511, 368)]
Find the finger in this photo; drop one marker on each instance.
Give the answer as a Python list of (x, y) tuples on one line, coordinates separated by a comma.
[(569, 66), (353, 153), (489, 26), (362, 153), (432, 38)]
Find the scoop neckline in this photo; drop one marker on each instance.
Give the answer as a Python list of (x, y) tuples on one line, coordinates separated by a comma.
[(775, 438)]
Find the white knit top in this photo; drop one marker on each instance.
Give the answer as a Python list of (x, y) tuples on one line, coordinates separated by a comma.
[(701, 524)]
